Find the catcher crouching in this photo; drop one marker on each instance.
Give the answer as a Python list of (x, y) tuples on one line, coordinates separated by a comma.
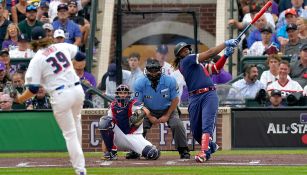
[(123, 128)]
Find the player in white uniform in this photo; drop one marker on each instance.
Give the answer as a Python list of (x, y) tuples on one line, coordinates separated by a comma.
[(52, 68), (123, 127)]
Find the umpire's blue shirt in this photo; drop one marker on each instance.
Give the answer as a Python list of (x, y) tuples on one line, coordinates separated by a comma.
[(156, 100)]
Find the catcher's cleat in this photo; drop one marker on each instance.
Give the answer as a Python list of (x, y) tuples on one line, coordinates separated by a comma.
[(132, 155), (109, 155)]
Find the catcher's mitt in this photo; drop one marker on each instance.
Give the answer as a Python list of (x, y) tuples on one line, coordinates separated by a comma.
[(137, 118)]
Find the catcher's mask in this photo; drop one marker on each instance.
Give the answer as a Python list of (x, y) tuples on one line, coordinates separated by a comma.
[(179, 47), (123, 95), (153, 71)]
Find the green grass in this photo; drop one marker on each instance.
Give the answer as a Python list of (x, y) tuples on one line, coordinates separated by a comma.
[(191, 170), (176, 170)]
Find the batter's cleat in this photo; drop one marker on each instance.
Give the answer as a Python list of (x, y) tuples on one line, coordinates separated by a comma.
[(200, 157), (133, 155), (109, 155), (185, 155)]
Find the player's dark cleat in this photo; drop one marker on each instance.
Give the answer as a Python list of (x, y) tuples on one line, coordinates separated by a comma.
[(185, 155), (109, 155), (132, 155)]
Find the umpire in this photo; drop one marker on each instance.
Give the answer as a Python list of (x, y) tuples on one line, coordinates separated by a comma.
[(159, 94)]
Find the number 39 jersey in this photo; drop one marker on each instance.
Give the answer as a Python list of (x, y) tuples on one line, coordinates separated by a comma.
[(52, 67)]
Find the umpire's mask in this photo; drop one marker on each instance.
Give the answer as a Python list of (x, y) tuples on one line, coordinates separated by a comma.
[(153, 71)]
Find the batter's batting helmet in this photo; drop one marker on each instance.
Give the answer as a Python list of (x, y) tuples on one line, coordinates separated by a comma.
[(180, 46)]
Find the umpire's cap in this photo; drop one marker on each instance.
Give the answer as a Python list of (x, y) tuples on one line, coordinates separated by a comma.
[(180, 46), (38, 33), (152, 63)]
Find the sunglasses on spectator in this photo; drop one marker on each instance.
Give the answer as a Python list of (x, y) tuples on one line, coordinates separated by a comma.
[(31, 7)]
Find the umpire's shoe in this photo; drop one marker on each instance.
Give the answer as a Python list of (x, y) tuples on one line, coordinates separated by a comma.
[(184, 153), (112, 155), (132, 155)]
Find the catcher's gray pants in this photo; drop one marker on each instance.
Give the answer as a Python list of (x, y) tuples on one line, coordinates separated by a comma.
[(135, 141), (176, 125)]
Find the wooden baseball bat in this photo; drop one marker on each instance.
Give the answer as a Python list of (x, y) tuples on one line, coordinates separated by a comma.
[(258, 15)]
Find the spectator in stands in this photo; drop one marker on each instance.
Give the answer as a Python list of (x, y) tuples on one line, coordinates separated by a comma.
[(6, 102), (111, 79), (49, 29), (23, 50), (161, 56), (285, 84), (72, 31), (4, 80), (30, 22), (40, 101), (222, 77), (299, 68), (294, 44), (302, 27), (85, 77), (5, 58), (282, 35), (53, 8), (253, 10), (276, 99), (136, 72), (4, 23), (82, 22), (42, 14), (271, 75), (297, 5), (11, 37), (255, 35), (19, 11), (258, 47), (59, 36), (249, 86)]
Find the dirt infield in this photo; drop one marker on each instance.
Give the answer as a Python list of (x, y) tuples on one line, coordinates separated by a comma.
[(217, 160)]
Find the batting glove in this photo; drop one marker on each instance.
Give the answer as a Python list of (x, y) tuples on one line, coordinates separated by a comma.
[(232, 42), (229, 51)]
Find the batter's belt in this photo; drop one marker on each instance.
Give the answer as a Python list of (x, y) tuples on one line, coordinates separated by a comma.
[(202, 90)]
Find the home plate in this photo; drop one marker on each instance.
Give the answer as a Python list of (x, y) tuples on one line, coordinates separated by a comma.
[(140, 163), (170, 163), (23, 164), (106, 163), (254, 162)]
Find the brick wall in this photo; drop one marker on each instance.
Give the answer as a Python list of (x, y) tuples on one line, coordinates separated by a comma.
[(206, 17), (154, 136)]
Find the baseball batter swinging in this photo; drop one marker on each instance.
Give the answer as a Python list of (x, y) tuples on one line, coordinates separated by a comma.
[(203, 99), (52, 68)]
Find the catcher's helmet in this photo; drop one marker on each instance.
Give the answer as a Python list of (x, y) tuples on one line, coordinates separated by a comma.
[(123, 101), (180, 46)]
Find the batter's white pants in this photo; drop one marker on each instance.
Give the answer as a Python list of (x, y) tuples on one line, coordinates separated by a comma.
[(67, 105), (135, 141)]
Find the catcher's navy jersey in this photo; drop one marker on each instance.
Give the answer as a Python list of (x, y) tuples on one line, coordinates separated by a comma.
[(194, 73), (121, 115)]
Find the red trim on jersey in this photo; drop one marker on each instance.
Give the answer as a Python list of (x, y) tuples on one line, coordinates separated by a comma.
[(284, 84), (205, 70)]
